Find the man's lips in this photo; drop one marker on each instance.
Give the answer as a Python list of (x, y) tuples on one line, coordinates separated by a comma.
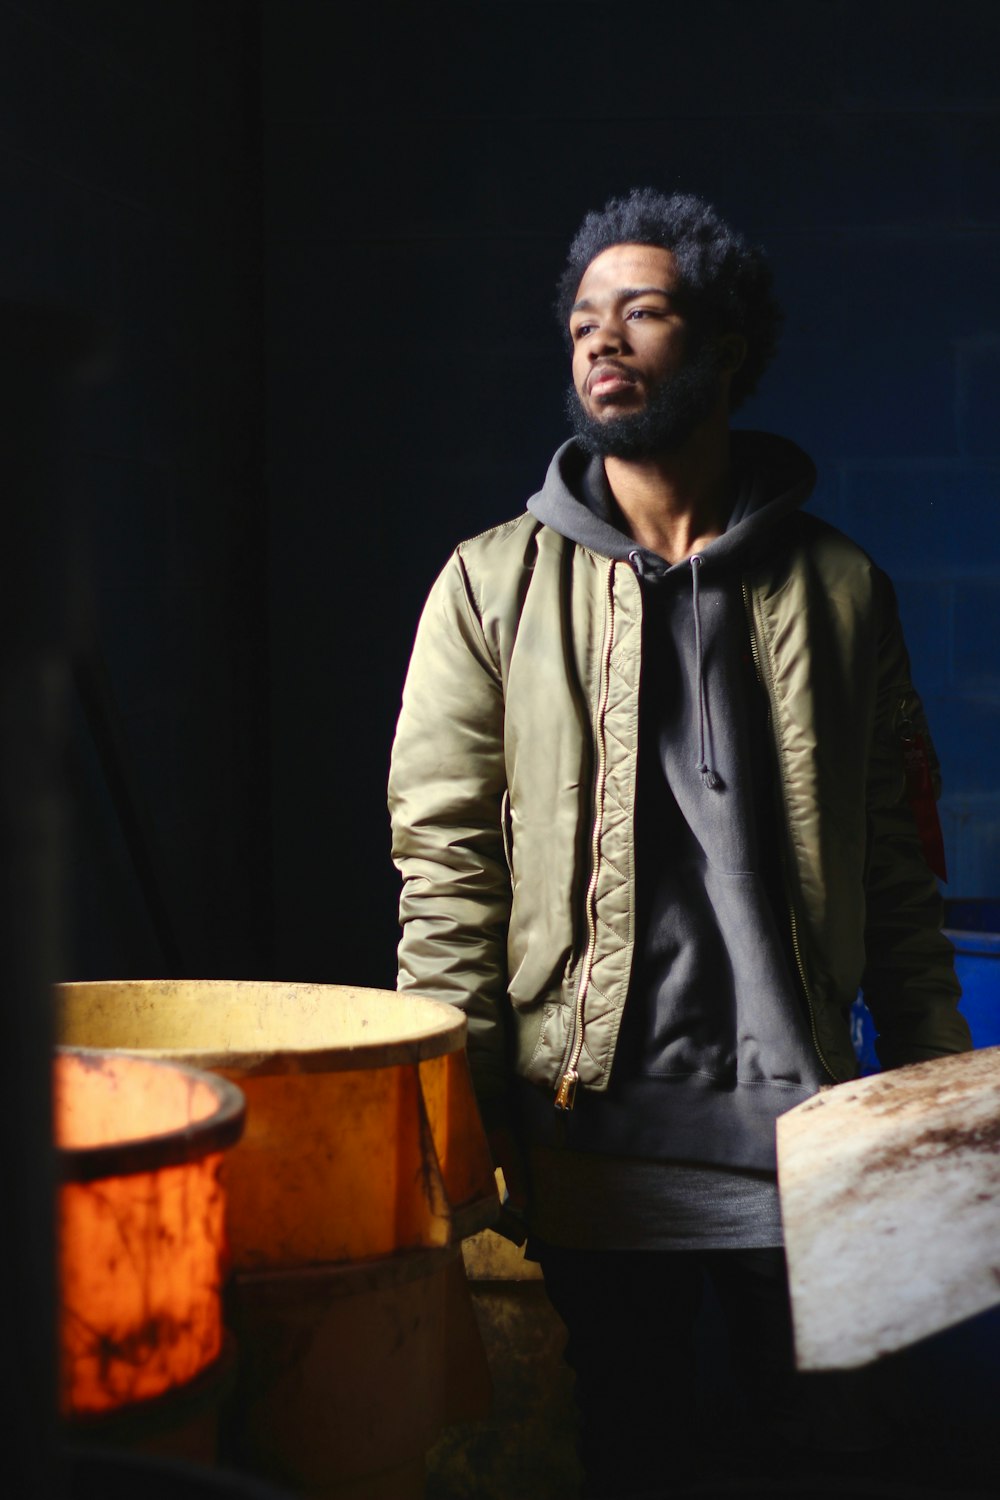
[(604, 380)]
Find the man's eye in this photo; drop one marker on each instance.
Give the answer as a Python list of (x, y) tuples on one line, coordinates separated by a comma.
[(642, 312), (582, 329)]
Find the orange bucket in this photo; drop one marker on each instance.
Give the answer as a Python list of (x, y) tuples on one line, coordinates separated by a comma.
[(141, 1224)]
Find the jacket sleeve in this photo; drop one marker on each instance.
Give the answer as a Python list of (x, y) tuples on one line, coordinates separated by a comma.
[(446, 788), (909, 982)]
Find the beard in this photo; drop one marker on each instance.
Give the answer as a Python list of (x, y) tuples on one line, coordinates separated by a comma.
[(676, 405)]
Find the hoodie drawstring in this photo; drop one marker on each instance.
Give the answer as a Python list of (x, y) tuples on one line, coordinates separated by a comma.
[(711, 778)]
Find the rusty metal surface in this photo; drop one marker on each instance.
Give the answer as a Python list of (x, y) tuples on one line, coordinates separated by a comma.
[(890, 1196)]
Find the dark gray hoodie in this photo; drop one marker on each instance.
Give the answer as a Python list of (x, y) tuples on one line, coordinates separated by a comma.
[(715, 1040)]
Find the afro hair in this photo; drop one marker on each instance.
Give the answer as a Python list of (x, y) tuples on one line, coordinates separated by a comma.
[(726, 282)]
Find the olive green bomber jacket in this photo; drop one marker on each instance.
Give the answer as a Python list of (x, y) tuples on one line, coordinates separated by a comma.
[(512, 792)]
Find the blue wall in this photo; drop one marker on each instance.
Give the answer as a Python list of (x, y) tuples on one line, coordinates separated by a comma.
[(425, 167)]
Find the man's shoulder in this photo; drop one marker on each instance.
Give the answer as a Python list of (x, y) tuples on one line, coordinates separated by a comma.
[(500, 552), (490, 564), (817, 540), (813, 562), (499, 538)]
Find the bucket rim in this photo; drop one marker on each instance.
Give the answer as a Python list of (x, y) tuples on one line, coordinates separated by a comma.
[(445, 1034), (169, 1148)]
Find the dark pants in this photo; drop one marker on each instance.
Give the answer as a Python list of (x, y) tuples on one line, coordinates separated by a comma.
[(650, 1421)]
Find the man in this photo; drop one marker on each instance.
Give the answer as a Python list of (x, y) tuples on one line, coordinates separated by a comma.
[(659, 795)]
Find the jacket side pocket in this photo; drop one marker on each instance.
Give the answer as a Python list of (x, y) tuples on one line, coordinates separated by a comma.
[(507, 831)]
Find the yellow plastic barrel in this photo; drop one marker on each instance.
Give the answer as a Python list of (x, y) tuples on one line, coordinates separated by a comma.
[(362, 1138), (362, 1167), (141, 1222)]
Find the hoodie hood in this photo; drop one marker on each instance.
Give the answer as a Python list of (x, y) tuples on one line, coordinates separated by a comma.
[(773, 477)]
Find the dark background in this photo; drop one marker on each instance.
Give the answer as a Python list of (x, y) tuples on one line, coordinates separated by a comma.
[(320, 241)]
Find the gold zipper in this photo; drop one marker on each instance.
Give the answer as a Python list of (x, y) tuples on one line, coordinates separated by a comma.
[(792, 916), (566, 1093)]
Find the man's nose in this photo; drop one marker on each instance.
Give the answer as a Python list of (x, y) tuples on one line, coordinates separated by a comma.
[(610, 339)]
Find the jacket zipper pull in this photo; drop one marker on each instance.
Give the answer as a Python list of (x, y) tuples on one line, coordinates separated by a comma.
[(566, 1097)]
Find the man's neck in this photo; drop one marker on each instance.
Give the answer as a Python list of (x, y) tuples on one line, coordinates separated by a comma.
[(676, 504)]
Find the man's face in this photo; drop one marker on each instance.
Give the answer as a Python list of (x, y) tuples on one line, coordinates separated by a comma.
[(641, 381)]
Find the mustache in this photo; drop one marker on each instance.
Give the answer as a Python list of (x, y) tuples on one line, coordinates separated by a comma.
[(605, 366)]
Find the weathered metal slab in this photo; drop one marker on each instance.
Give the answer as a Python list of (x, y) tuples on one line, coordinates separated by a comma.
[(890, 1195)]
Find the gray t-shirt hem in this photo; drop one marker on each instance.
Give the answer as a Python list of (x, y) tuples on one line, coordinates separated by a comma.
[(591, 1201)]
